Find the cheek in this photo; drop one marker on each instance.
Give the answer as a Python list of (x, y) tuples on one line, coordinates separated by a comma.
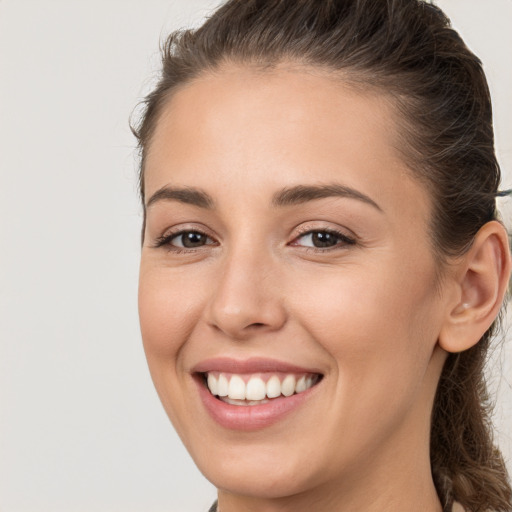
[(167, 312), (378, 328), (372, 321)]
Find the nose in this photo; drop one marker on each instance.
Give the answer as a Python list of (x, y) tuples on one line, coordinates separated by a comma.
[(246, 297)]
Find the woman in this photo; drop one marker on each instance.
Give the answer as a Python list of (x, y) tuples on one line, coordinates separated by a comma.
[(322, 266)]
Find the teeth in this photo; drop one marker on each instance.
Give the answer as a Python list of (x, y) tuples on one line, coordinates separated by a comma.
[(288, 385), (237, 392), (301, 385), (245, 403), (255, 389), (222, 386), (213, 385), (273, 387)]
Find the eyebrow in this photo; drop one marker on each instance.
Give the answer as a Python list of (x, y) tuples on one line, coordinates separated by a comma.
[(288, 196), (303, 193), (187, 195)]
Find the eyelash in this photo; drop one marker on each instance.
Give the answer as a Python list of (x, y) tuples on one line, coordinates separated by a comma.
[(166, 240), (343, 240)]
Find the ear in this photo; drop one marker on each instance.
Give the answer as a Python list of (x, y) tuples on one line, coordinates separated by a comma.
[(482, 276)]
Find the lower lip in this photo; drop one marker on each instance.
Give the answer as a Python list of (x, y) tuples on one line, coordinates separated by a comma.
[(251, 417)]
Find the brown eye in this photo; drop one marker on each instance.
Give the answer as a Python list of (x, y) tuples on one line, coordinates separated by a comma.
[(323, 239), (190, 239)]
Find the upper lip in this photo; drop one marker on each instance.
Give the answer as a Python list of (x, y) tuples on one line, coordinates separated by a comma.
[(251, 365)]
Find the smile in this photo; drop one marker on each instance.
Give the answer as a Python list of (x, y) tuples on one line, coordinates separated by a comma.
[(253, 394), (257, 389)]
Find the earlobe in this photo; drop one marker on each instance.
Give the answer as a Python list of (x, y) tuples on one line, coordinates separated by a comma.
[(482, 280)]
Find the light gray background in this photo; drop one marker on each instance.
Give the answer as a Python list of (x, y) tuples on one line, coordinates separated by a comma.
[(81, 428)]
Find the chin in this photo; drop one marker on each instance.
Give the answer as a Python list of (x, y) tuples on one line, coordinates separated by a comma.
[(259, 470), (253, 480)]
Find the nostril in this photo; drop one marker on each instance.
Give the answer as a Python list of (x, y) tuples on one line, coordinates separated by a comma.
[(239, 317)]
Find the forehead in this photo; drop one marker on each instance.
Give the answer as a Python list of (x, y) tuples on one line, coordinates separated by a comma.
[(302, 124), (284, 104)]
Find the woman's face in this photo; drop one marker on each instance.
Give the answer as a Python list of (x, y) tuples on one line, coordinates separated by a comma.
[(287, 250)]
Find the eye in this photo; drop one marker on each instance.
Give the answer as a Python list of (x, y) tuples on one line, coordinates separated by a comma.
[(323, 239), (185, 240), (189, 239)]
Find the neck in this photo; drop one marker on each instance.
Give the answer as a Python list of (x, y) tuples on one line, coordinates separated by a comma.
[(410, 493)]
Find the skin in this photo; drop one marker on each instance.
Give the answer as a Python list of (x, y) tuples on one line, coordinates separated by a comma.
[(366, 315)]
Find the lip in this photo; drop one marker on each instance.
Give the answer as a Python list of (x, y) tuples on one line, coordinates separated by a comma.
[(255, 417), (252, 365)]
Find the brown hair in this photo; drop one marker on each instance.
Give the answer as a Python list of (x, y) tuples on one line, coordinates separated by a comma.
[(408, 49)]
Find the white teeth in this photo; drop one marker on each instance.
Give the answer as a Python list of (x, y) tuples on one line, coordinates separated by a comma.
[(236, 392), (273, 387), (288, 385), (301, 385), (244, 403), (212, 385), (255, 389), (222, 389)]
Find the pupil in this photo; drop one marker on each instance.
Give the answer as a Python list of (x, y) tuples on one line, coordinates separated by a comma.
[(323, 239), (192, 239)]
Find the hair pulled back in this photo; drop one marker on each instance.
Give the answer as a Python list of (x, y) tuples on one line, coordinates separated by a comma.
[(407, 49)]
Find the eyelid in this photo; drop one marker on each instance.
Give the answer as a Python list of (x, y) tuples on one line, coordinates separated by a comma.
[(174, 232), (347, 239)]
